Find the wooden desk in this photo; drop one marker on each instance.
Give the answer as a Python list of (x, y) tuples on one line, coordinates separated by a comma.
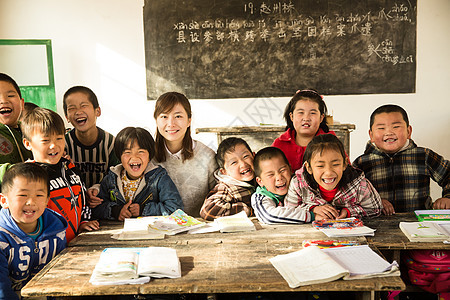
[(211, 263)]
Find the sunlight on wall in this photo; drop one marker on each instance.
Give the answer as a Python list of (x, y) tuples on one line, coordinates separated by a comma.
[(121, 85)]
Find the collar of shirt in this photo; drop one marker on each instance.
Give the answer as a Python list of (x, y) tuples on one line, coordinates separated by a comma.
[(178, 154)]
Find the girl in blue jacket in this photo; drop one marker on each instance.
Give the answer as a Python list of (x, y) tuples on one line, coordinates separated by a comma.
[(136, 187)]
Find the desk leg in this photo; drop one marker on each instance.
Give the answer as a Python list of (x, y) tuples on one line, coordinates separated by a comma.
[(369, 295)]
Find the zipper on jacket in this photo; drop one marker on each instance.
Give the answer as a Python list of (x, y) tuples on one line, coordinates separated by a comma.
[(391, 161), (72, 196), (36, 247)]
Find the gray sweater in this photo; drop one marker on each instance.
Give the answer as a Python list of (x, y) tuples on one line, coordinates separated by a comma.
[(194, 177)]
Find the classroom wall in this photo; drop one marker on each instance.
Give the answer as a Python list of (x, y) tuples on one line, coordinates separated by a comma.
[(100, 44)]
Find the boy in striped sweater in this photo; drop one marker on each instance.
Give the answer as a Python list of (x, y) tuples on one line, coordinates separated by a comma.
[(90, 147), (273, 174)]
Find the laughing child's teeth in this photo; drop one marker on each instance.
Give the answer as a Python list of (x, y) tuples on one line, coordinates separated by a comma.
[(390, 140), (135, 166), (328, 180), (5, 110)]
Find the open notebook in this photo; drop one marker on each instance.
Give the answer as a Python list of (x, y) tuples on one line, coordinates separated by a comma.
[(312, 265)]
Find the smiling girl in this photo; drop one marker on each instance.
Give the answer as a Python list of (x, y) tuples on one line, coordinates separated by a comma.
[(328, 186), (190, 163), (136, 187), (305, 118)]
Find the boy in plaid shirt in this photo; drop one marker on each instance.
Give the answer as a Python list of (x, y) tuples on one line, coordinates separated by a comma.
[(398, 169), (235, 176)]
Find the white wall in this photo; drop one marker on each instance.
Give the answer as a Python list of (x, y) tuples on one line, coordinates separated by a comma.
[(100, 44)]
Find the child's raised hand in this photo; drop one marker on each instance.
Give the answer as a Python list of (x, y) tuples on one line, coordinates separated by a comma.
[(93, 200), (89, 226), (134, 209), (442, 203), (388, 209), (125, 212), (328, 211)]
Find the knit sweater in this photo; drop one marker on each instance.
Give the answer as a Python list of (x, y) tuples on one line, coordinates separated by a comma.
[(194, 177), (403, 178), (230, 196), (358, 196)]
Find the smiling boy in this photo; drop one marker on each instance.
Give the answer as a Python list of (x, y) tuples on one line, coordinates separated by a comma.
[(398, 168), (30, 234), (273, 174), (235, 181), (43, 134), (90, 147), (11, 106)]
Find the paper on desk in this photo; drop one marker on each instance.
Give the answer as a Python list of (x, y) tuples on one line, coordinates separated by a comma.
[(360, 260), (137, 229), (208, 227)]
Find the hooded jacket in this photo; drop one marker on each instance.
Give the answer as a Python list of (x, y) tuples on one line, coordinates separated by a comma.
[(156, 195), (21, 257)]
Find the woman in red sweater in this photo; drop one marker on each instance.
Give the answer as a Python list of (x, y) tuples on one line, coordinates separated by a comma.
[(305, 118)]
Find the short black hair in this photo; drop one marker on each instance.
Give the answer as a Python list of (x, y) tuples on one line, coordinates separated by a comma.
[(228, 145), (80, 89), (388, 108), (30, 171), (266, 154), (7, 78), (134, 135)]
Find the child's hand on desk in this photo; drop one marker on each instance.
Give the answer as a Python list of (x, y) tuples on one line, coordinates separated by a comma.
[(93, 200), (327, 211), (388, 209), (89, 226), (442, 203)]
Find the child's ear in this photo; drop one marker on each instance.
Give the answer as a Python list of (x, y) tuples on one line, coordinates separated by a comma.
[(27, 144), (3, 201), (259, 181), (98, 112), (409, 129), (223, 171), (308, 168)]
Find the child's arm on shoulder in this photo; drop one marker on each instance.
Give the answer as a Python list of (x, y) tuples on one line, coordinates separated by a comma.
[(220, 202), (294, 197), (168, 195)]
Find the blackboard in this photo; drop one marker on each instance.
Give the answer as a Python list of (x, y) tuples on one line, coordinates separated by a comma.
[(210, 49)]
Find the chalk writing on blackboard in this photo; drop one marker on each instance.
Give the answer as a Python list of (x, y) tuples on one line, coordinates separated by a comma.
[(225, 49)]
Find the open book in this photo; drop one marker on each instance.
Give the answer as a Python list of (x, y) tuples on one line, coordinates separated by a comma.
[(135, 265), (312, 265), (426, 231), (343, 228), (137, 229), (177, 222), (235, 223), (433, 215)]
